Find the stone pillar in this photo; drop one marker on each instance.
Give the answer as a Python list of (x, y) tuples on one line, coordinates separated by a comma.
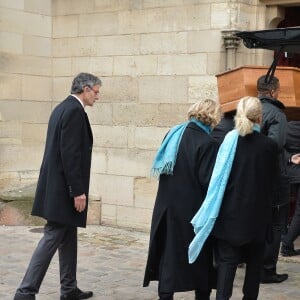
[(231, 43)]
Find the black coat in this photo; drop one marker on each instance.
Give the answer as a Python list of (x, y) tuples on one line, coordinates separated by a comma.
[(178, 199), (274, 125), (222, 129), (245, 213), (65, 170), (292, 147)]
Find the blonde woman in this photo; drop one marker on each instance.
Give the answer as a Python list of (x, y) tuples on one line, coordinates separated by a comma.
[(183, 164), (241, 227)]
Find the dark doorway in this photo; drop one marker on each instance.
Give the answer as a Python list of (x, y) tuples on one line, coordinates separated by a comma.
[(292, 19)]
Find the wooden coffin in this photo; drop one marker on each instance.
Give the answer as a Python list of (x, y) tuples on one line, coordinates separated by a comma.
[(240, 82)]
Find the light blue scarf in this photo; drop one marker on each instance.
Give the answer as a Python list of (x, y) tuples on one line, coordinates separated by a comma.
[(204, 220), (166, 155)]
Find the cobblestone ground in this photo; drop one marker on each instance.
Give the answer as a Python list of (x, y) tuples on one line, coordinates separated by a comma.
[(111, 262)]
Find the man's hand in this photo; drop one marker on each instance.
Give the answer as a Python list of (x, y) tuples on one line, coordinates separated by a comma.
[(295, 159), (80, 203)]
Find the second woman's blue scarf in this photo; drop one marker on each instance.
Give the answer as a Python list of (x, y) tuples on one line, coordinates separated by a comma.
[(204, 220), (166, 155)]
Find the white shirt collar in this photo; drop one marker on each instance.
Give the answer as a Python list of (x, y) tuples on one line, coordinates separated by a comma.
[(78, 99)]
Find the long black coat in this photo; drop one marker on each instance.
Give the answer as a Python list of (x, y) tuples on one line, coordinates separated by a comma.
[(245, 213), (65, 170), (178, 199)]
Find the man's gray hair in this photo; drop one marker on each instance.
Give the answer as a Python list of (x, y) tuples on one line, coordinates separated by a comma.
[(82, 80)]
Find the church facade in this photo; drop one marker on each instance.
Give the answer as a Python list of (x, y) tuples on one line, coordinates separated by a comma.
[(155, 59)]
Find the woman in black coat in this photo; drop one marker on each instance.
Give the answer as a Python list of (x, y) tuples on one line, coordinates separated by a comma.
[(180, 194), (244, 219)]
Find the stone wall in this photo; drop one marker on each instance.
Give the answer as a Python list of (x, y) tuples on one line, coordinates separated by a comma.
[(25, 88), (154, 57)]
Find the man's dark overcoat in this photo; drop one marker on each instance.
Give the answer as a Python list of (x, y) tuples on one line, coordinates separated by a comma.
[(178, 199), (245, 214), (65, 170), (292, 147), (274, 125)]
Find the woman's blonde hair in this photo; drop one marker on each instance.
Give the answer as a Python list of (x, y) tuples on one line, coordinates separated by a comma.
[(207, 111), (248, 112)]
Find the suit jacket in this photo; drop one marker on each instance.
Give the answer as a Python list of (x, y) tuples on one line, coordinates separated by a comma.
[(245, 213), (65, 169)]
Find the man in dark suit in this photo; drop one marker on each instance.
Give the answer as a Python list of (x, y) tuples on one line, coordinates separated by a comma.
[(62, 190)]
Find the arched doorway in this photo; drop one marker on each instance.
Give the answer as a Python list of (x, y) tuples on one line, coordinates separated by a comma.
[(292, 19)]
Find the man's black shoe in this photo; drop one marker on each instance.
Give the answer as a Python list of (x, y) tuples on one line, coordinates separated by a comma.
[(77, 294), (289, 251), (24, 297), (274, 278)]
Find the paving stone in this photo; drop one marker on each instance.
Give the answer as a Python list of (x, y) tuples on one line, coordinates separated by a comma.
[(111, 262)]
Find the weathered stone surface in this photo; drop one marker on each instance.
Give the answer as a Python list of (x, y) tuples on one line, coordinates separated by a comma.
[(33, 65), (15, 207), (71, 7), (37, 46), (164, 43), (94, 212), (154, 57), (148, 137), (135, 65), (62, 66), (202, 87), (28, 23), (98, 24), (10, 86), (109, 214), (11, 42), (42, 90), (133, 217), (204, 41), (129, 162), (145, 190), (183, 64), (119, 89), (163, 89), (39, 7), (113, 189), (65, 26)]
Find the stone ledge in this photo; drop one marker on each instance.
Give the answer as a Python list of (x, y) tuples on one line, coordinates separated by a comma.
[(16, 204)]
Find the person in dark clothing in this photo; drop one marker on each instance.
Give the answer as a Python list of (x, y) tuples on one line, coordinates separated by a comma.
[(293, 147), (226, 124), (244, 219), (274, 125), (62, 191), (182, 188)]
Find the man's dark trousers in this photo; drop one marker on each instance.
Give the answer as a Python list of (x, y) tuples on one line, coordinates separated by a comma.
[(279, 221), (294, 229), (56, 237), (229, 257)]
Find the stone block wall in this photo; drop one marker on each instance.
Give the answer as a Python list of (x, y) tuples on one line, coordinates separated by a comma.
[(25, 88), (155, 59)]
